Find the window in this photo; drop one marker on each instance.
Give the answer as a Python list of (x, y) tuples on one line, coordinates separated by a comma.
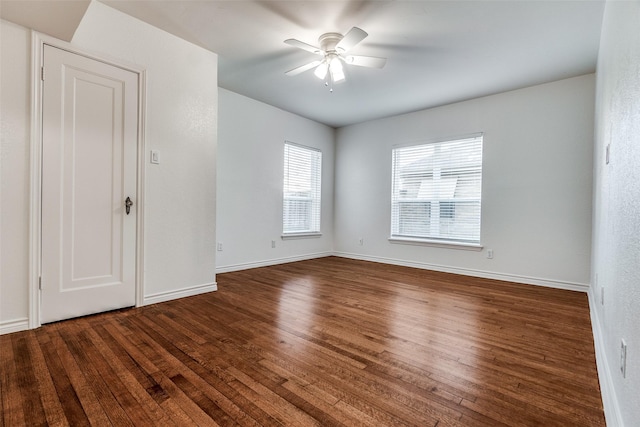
[(301, 193), (436, 191)]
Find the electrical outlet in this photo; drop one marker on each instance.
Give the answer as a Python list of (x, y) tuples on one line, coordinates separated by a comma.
[(623, 358), (220, 246), (273, 243), (490, 253), (361, 241)]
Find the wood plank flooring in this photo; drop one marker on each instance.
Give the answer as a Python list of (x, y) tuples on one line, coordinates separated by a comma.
[(324, 342)]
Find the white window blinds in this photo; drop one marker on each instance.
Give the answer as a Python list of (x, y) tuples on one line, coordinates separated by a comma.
[(301, 201), (436, 191)]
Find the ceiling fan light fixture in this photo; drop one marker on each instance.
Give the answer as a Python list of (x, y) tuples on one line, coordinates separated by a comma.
[(321, 70), (333, 51), (336, 70)]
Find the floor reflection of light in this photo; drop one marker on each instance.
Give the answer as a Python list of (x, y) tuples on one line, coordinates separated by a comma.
[(296, 309), (435, 330)]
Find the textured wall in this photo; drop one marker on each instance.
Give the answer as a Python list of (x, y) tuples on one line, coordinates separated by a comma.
[(182, 106), (182, 102), (616, 243), (536, 189), (250, 171), (14, 179)]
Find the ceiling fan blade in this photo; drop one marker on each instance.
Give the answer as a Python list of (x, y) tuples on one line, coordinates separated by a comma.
[(352, 38), (303, 46), (365, 61), (303, 68)]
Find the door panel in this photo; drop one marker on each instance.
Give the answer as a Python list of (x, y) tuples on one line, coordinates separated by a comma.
[(90, 119)]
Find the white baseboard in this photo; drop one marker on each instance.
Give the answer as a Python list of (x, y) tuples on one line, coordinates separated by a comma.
[(14, 325), (22, 324), (609, 400), (549, 283), (266, 263), (179, 293)]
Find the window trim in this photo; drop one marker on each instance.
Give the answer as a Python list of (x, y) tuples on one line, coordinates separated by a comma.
[(430, 241), (448, 244), (303, 234)]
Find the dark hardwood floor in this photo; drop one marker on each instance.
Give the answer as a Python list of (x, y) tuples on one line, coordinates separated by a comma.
[(321, 342)]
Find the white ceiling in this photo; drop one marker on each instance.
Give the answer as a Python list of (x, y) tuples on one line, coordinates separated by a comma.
[(438, 52), (58, 18)]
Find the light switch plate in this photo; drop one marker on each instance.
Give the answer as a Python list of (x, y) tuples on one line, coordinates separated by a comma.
[(155, 157)]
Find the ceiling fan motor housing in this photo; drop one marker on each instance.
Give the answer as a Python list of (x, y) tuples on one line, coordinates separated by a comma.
[(328, 41)]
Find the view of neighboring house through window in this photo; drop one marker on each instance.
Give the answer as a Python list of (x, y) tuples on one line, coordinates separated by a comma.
[(301, 193), (436, 191)]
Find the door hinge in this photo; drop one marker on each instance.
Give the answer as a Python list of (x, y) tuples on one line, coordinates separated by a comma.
[(42, 73), (40, 282)]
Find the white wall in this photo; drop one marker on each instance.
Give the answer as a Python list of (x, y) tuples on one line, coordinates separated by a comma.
[(616, 225), (536, 192), (250, 172), (15, 67), (181, 122)]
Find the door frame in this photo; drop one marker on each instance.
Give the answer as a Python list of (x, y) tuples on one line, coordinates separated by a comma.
[(38, 41)]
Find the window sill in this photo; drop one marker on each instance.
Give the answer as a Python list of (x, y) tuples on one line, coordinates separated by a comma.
[(289, 236), (436, 243)]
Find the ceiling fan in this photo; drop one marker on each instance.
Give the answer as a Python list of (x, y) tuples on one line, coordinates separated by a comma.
[(334, 48)]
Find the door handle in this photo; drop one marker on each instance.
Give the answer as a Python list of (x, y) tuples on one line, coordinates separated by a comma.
[(127, 205)]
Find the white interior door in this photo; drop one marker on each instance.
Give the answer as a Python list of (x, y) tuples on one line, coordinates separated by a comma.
[(89, 158)]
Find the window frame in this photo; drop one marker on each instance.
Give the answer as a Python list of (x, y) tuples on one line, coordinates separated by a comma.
[(430, 240), (315, 198)]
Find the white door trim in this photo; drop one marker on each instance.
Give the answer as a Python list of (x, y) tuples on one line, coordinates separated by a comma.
[(35, 219)]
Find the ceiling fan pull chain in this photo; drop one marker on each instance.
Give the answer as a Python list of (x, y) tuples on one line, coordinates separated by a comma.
[(328, 81)]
